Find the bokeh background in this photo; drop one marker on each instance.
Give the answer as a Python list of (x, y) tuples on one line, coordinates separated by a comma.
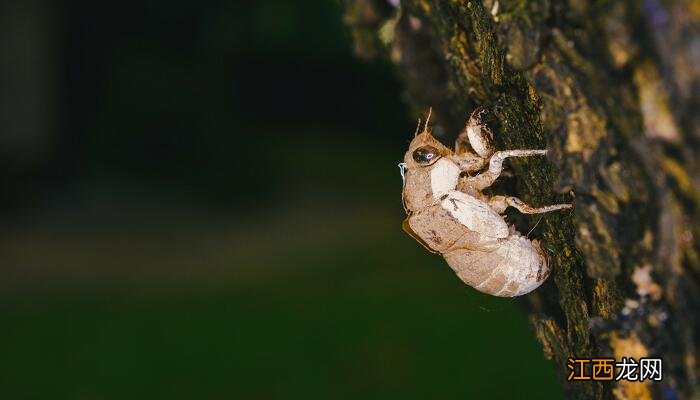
[(201, 200)]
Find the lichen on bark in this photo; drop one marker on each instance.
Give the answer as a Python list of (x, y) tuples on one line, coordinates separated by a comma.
[(612, 89)]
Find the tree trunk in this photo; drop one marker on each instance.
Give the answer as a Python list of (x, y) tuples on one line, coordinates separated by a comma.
[(613, 90)]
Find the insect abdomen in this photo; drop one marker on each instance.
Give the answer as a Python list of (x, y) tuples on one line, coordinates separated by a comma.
[(514, 267)]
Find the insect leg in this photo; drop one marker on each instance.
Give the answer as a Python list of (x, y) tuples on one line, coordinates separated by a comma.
[(500, 203), (487, 178), (476, 135)]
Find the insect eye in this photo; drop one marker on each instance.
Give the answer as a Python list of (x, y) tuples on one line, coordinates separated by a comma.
[(425, 155)]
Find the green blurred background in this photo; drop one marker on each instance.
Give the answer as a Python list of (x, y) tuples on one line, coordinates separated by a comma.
[(201, 200)]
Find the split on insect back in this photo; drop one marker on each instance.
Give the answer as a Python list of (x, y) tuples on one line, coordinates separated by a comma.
[(448, 213)]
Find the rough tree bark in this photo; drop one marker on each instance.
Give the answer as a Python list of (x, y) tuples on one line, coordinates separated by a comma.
[(613, 89)]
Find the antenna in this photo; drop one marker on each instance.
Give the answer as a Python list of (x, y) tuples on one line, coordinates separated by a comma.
[(427, 120)]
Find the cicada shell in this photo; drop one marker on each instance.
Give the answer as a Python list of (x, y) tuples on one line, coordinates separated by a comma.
[(449, 214)]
